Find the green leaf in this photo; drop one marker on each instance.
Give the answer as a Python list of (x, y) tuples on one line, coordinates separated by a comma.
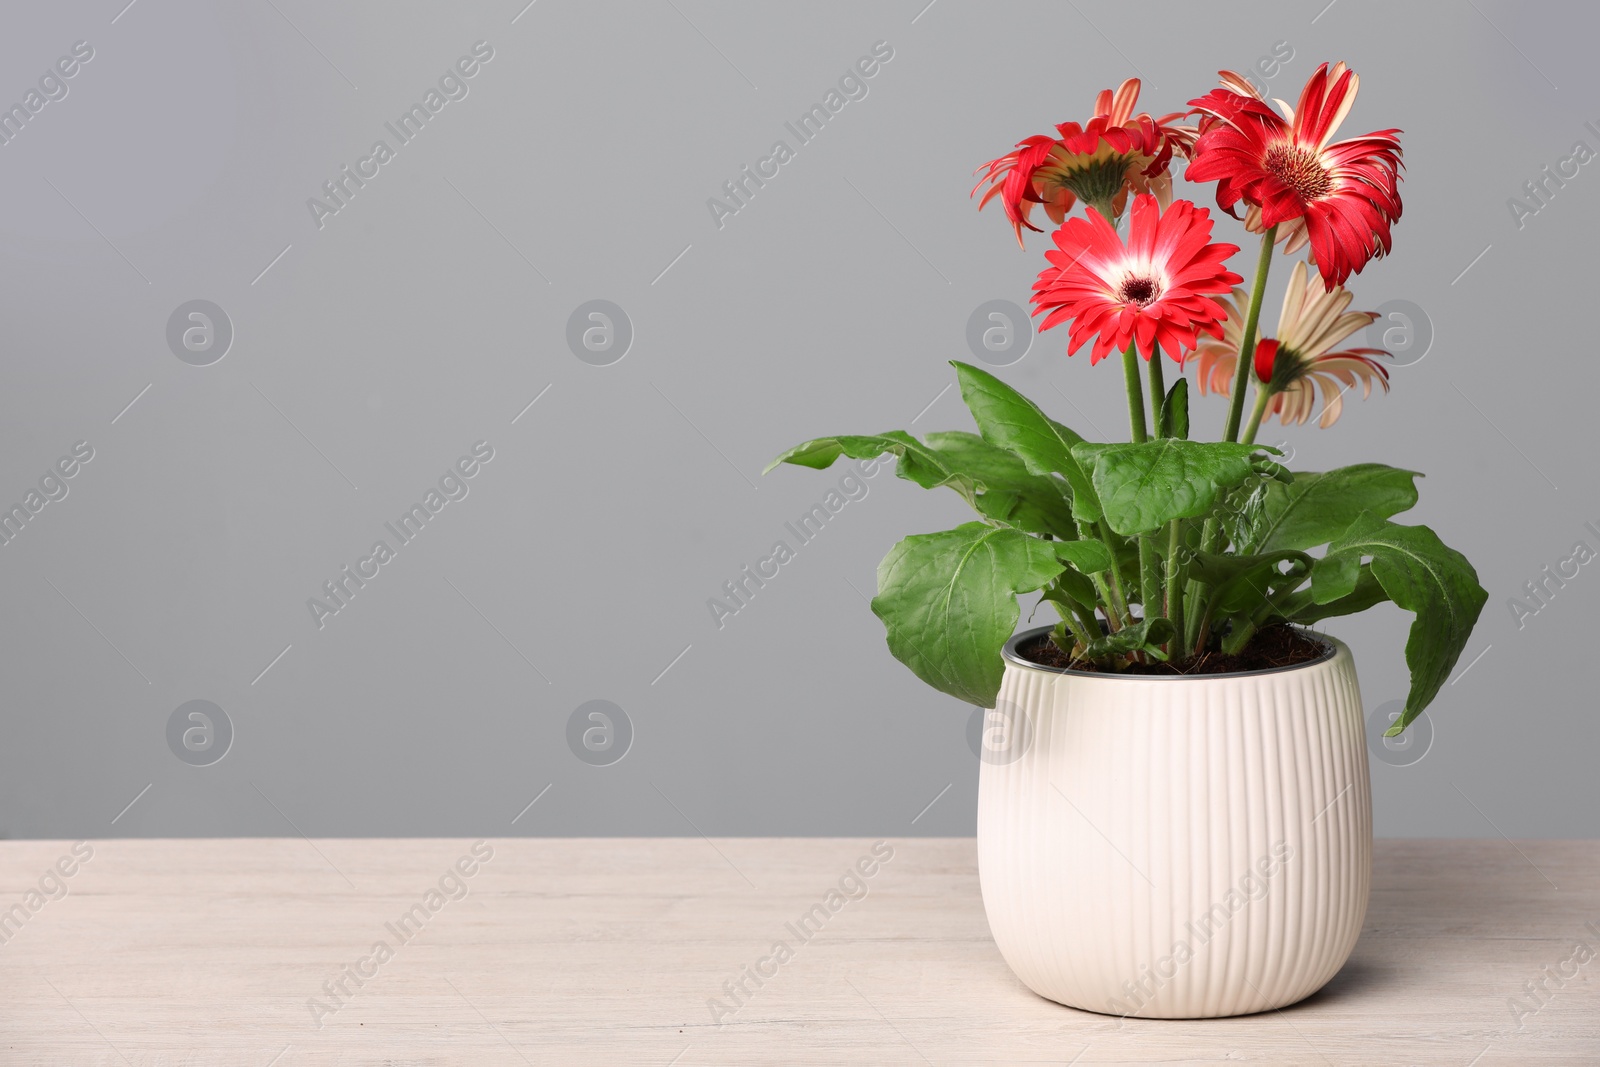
[(1127, 552), (1143, 487), (1241, 584), (1037, 503), (1420, 574), (1091, 557), (1145, 635), (995, 482), (1301, 608), (916, 461), (1175, 411), (1220, 568), (1077, 588), (1270, 469), (949, 603), (1334, 576), (1317, 507), (1009, 420)]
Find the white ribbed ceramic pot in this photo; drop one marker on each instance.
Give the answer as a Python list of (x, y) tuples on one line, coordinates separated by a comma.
[(1175, 848)]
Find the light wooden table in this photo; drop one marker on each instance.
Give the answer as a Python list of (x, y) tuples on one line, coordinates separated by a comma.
[(216, 954)]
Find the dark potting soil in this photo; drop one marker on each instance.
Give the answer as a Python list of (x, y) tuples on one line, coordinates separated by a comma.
[(1272, 648)]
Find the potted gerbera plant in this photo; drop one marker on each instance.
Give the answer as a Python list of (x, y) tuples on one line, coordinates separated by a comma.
[(1174, 812)]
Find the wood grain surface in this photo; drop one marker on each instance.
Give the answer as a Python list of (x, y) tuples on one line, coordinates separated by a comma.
[(258, 952)]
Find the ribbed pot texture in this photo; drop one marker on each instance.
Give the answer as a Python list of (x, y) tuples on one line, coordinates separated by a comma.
[(1176, 848)]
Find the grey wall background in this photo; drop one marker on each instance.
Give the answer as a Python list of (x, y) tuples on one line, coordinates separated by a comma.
[(372, 352)]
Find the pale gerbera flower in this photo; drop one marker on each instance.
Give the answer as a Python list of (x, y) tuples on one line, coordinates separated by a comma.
[(1299, 361)]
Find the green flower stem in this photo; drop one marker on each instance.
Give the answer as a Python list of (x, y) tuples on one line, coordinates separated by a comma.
[(1199, 612), (1079, 631), (1158, 393), (1147, 556), (1149, 576), (1111, 593), (1089, 619), (1243, 630), (1115, 615), (1204, 634), (1175, 588), (1263, 394), (1247, 343), (1060, 602), (1130, 370), (1193, 609)]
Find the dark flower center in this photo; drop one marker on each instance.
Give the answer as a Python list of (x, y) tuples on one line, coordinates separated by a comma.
[(1299, 169), (1141, 291)]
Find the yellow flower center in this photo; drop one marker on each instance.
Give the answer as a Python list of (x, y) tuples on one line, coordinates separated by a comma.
[(1299, 169)]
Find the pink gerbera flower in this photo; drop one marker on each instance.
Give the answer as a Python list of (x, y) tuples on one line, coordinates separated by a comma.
[(1154, 291), (1290, 168)]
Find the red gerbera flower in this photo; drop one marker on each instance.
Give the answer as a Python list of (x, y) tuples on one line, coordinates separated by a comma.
[(1347, 192), (1291, 233), (1099, 163), (1155, 290)]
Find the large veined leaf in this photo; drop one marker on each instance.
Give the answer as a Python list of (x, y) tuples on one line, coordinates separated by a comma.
[(917, 462), (1142, 487), (1317, 507), (949, 603), (1420, 574), (995, 482), (1301, 608), (1009, 420), (1037, 503), (1241, 584)]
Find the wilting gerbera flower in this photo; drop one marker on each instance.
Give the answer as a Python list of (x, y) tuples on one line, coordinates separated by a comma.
[(1098, 163), (1294, 365), (1155, 290), (1291, 233), (1288, 168)]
